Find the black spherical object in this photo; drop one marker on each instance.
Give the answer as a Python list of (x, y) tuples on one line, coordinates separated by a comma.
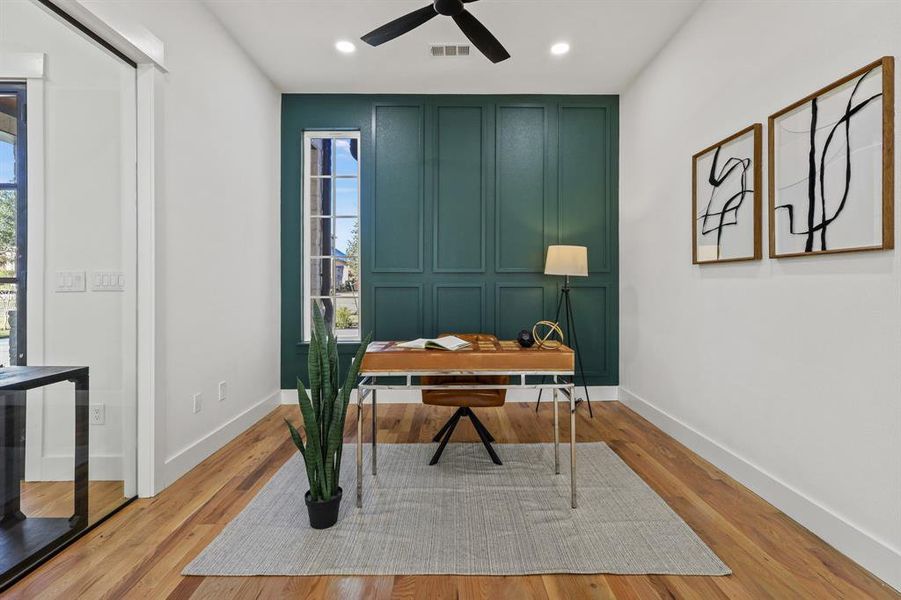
[(525, 338)]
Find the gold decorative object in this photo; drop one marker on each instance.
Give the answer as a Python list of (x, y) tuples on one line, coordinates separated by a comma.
[(543, 331)]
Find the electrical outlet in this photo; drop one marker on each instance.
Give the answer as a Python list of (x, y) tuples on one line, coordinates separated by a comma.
[(198, 400), (223, 391), (97, 414)]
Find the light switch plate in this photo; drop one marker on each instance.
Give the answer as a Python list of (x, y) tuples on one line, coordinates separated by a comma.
[(107, 281), (198, 400), (223, 391), (70, 281)]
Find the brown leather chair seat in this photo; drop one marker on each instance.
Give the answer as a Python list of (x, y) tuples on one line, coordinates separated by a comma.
[(470, 398), (465, 400)]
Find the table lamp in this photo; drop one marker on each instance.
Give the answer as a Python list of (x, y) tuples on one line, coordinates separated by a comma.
[(568, 261)]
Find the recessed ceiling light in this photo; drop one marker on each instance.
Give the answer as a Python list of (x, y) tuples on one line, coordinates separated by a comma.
[(345, 46), (560, 48)]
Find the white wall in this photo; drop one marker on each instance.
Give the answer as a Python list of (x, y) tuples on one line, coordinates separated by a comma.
[(81, 201), (786, 373), (217, 235)]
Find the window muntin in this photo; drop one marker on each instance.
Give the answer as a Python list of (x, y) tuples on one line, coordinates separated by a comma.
[(331, 195)]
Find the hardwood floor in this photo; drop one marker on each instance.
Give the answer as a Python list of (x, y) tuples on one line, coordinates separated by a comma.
[(140, 551), (57, 498)]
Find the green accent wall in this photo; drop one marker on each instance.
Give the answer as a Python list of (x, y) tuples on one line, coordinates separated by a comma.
[(460, 197)]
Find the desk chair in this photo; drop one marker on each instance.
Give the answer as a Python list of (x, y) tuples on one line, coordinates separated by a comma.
[(465, 400)]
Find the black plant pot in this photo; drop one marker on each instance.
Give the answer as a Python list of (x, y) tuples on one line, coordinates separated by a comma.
[(323, 513)]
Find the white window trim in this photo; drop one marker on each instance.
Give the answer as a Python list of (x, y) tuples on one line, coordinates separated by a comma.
[(306, 317), (29, 67)]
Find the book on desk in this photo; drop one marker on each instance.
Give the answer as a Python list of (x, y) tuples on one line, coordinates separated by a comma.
[(448, 342)]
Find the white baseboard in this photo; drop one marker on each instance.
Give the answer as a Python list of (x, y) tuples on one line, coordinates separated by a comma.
[(599, 393), (871, 553), (192, 455), (61, 467)]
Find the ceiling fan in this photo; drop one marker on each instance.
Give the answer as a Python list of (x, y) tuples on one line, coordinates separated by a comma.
[(471, 27)]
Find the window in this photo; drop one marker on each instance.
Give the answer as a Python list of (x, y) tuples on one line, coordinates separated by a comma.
[(12, 224), (331, 197)]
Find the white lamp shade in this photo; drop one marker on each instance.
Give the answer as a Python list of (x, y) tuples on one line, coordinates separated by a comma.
[(567, 260)]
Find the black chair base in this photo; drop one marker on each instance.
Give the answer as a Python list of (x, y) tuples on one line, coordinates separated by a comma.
[(444, 434)]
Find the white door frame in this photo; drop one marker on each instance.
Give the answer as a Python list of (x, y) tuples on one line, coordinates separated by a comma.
[(151, 412)]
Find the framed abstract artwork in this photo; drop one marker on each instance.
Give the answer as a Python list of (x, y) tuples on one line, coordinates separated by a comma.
[(830, 167), (726, 199)]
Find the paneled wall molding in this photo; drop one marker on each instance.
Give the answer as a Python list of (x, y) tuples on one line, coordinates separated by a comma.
[(397, 204), (582, 128), (522, 163), (452, 310), (396, 311), (518, 306), (459, 188), (496, 179), (592, 312)]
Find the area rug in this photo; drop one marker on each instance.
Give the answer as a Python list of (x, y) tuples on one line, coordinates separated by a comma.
[(464, 516)]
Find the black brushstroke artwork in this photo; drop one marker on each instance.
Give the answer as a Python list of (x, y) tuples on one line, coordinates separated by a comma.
[(717, 221), (815, 171)]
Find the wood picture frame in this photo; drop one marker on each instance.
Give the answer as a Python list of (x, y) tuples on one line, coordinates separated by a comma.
[(734, 171), (818, 174)]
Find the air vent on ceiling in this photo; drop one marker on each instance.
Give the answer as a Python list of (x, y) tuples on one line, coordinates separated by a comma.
[(449, 49)]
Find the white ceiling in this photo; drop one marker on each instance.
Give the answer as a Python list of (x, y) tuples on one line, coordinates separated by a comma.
[(293, 41)]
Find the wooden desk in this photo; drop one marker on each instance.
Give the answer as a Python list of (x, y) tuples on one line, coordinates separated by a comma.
[(482, 356), (506, 358), (25, 542)]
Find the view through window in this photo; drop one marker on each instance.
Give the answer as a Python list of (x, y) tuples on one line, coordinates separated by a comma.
[(332, 231), (12, 224)]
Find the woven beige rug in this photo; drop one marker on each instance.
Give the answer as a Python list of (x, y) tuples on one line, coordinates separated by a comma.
[(464, 516)]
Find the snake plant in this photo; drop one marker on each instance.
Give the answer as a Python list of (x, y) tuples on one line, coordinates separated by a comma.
[(324, 410)]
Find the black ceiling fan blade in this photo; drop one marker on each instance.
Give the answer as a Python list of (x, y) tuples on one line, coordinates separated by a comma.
[(399, 26), (481, 38)]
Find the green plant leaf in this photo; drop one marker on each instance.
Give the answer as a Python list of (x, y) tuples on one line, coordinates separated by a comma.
[(313, 456), (314, 372), (329, 410), (333, 362), (324, 410), (295, 435), (335, 439), (330, 363), (298, 441), (321, 345)]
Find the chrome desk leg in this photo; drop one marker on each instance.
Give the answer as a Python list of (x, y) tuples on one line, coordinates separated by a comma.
[(572, 442), (556, 433), (374, 427), (359, 450)]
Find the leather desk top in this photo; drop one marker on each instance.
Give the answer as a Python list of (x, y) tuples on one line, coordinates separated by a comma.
[(502, 355)]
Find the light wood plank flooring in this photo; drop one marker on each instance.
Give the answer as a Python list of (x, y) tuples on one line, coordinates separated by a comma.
[(140, 552), (57, 498)]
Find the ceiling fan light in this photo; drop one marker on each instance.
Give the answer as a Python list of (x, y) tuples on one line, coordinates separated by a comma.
[(560, 48)]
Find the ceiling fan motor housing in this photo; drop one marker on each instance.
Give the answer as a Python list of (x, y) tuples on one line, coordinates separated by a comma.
[(448, 8)]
